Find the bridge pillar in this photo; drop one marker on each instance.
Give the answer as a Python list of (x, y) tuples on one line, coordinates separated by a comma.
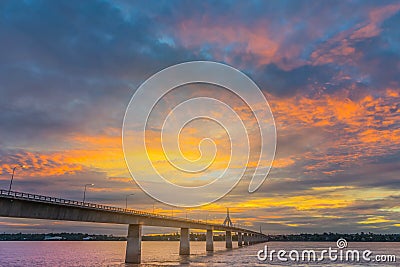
[(209, 240), (240, 243), (245, 239), (228, 239), (133, 244), (184, 244)]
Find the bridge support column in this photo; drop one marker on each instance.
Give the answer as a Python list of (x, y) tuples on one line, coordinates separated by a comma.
[(184, 244), (245, 239), (240, 243), (209, 240), (228, 239), (133, 244)]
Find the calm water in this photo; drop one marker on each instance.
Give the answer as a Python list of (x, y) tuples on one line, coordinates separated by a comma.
[(112, 253)]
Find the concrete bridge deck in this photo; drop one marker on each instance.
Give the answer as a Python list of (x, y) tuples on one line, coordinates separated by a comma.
[(26, 205)]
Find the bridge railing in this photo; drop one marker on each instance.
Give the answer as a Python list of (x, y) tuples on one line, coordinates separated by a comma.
[(48, 199)]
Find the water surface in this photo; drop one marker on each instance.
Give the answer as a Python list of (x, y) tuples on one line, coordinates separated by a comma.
[(165, 253)]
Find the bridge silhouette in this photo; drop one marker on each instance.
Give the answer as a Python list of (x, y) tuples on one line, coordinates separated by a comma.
[(27, 205)]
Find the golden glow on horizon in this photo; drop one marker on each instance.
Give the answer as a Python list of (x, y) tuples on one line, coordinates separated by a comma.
[(375, 220)]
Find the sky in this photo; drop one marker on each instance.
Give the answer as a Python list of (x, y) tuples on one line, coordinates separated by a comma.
[(329, 70)]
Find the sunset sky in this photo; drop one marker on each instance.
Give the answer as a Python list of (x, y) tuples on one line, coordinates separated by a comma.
[(330, 71)]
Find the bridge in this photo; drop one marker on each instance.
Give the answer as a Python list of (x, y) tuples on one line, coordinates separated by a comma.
[(26, 205)]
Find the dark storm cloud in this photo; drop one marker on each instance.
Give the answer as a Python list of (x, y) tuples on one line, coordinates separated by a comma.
[(378, 56), (83, 39), (284, 83), (61, 59)]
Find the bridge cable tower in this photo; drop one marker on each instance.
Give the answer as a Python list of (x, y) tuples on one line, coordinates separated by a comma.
[(228, 221)]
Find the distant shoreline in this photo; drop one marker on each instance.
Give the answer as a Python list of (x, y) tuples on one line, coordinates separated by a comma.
[(325, 237)]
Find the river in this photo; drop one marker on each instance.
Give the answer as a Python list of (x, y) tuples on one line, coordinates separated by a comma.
[(165, 253)]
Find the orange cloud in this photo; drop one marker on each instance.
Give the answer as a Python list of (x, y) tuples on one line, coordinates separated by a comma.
[(376, 17), (340, 48), (356, 128), (254, 41), (41, 164), (102, 152)]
